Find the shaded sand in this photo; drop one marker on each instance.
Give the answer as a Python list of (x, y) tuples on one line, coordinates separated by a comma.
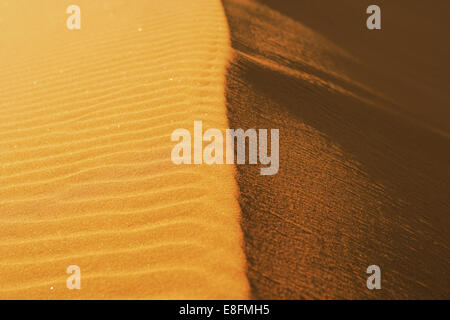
[(364, 146), (85, 172)]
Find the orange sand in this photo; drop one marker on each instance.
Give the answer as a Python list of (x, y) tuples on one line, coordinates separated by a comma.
[(85, 172)]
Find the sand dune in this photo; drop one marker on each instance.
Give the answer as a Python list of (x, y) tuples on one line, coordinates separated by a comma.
[(86, 176), (85, 171), (364, 146)]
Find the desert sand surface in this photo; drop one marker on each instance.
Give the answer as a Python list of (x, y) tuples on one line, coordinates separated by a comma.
[(364, 124), (86, 176)]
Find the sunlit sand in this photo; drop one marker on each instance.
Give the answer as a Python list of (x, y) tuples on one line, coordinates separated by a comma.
[(86, 177)]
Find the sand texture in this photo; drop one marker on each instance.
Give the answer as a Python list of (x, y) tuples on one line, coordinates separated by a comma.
[(364, 123), (86, 176)]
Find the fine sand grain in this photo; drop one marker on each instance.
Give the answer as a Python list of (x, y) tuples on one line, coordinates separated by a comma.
[(364, 124), (86, 177)]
